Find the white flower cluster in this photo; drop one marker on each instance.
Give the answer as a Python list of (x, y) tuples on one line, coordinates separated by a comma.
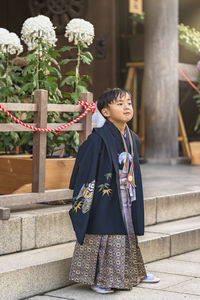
[(189, 37), (38, 28), (79, 30), (9, 42)]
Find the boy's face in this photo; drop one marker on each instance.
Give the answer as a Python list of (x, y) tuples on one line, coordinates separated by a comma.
[(120, 110)]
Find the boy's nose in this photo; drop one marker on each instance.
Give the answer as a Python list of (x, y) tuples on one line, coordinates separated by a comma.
[(126, 105)]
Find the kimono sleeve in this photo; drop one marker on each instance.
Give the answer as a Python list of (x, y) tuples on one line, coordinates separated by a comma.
[(83, 182)]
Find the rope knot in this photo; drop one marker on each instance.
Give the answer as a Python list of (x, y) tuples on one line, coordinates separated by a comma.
[(88, 106)]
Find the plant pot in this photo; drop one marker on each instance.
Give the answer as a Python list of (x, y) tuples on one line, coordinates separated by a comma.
[(195, 151), (16, 173)]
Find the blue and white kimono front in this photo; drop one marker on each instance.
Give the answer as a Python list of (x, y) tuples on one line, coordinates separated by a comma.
[(97, 206)]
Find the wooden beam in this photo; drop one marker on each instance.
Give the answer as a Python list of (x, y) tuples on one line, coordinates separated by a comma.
[(9, 127), (65, 108), (129, 80), (31, 198), (135, 65), (188, 69), (39, 142), (76, 126), (33, 107), (19, 106)]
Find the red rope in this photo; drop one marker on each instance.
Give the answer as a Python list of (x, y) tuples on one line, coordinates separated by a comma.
[(85, 104), (190, 82)]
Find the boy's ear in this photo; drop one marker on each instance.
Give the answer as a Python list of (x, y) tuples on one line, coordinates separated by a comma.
[(105, 112)]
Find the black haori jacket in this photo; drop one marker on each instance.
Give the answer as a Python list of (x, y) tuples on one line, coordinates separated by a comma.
[(96, 205)]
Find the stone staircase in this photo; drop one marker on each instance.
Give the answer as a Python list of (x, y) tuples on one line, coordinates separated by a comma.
[(36, 245)]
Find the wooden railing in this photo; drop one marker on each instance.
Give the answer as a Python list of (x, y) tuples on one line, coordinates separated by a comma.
[(40, 107)]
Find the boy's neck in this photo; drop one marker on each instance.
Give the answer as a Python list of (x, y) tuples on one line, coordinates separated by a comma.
[(120, 126)]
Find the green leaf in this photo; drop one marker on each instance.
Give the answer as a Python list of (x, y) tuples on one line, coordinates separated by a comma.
[(88, 55), (30, 69), (66, 48), (81, 89), (70, 73), (30, 57), (86, 78), (54, 61), (85, 59), (66, 61), (27, 86), (70, 80)]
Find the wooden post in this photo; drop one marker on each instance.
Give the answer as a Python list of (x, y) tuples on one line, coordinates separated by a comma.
[(4, 213), (161, 81), (39, 142), (87, 120)]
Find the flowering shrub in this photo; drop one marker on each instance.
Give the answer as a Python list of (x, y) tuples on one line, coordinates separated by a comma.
[(42, 71)]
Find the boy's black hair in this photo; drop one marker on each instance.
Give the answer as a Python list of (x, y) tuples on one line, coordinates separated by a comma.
[(109, 96)]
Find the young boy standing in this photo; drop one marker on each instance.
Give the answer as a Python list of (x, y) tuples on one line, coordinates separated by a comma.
[(108, 209)]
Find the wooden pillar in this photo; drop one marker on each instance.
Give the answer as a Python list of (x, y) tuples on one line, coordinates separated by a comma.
[(39, 142), (87, 120), (161, 81)]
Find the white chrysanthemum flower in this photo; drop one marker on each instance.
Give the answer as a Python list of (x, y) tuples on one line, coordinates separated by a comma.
[(3, 31), (38, 28), (79, 30), (9, 42)]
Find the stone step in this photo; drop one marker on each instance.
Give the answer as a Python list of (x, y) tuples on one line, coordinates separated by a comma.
[(50, 225), (170, 238), (171, 207), (32, 272), (35, 271)]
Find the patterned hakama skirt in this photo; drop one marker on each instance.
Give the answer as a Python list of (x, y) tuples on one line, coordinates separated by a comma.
[(110, 261)]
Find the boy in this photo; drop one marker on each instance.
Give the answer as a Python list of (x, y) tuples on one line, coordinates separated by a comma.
[(108, 210)]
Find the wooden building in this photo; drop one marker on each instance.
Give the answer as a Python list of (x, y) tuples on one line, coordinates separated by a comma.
[(111, 51)]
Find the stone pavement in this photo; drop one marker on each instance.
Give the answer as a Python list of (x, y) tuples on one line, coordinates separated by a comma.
[(180, 279), (161, 180)]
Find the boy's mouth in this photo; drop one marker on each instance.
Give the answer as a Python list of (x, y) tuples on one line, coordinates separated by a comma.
[(127, 113)]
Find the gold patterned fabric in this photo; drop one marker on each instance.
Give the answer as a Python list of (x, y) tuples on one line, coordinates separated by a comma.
[(110, 261)]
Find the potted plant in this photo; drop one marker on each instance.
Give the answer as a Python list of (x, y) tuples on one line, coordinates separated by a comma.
[(42, 70)]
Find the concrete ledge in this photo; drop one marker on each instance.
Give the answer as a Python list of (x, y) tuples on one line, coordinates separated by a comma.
[(32, 272)]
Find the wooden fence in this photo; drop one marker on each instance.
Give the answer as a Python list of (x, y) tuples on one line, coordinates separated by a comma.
[(40, 107)]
